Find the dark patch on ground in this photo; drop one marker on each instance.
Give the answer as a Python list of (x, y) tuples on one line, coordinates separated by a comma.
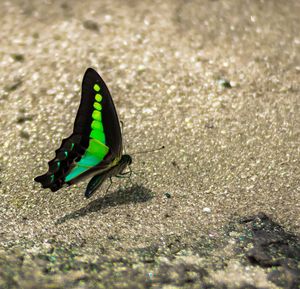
[(13, 85), (24, 134), (224, 83), (271, 247), (18, 57), (23, 118), (258, 241)]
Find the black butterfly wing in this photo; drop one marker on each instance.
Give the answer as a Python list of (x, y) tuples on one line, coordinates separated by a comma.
[(96, 142)]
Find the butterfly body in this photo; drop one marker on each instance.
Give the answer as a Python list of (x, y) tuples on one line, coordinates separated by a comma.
[(95, 146), (116, 170)]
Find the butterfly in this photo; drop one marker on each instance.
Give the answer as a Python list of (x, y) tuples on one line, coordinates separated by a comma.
[(94, 149)]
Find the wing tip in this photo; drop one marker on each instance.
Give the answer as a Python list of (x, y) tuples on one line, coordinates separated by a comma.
[(91, 70)]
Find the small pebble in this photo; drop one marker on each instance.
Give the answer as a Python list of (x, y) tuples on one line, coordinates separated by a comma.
[(206, 210), (23, 118), (168, 195), (18, 57), (224, 83), (91, 25), (24, 134), (13, 86)]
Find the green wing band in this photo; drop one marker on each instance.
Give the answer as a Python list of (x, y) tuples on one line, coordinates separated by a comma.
[(98, 135), (97, 115), (97, 125), (97, 149)]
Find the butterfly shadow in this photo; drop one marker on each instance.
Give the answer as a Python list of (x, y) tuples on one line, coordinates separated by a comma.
[(134, 194)]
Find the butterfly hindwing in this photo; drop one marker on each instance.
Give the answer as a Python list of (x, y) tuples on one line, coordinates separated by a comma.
[(96, 142), (70, 150)]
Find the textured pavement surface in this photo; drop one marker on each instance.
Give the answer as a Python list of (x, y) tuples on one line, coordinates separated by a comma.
[(215, 82)]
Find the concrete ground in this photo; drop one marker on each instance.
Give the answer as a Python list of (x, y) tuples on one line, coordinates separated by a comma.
[(215, 82)]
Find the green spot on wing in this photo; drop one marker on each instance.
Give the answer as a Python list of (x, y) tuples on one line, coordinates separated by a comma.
[(97, 106), (96, 115), (97, 125), (96, 87), (98, 97)]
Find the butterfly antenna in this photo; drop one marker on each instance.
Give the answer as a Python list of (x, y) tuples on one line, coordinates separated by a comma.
[(148, 151), (109, 185)]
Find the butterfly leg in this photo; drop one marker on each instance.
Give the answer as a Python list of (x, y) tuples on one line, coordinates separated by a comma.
[(109, 184), (123, 175), (130, 173), (94, 184), (126, 175)]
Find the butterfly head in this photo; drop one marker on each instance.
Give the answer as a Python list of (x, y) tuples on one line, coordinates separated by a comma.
[(127, 159)]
